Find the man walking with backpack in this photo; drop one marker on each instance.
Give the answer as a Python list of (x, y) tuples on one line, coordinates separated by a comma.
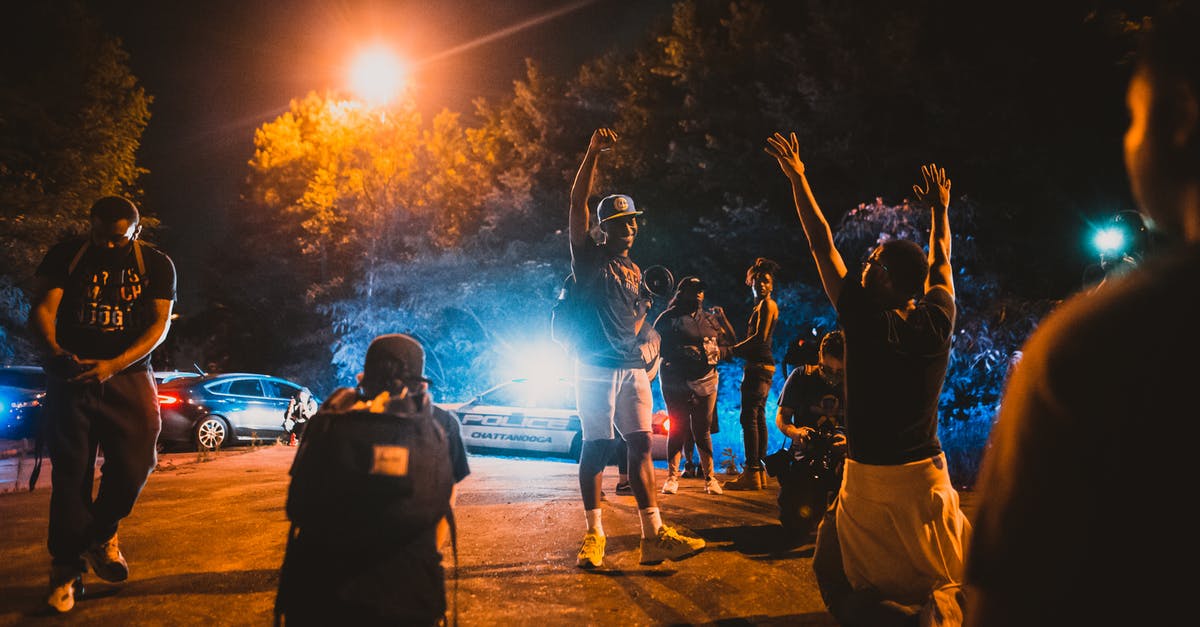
[(371, 499), (611, 382), (103, 304)]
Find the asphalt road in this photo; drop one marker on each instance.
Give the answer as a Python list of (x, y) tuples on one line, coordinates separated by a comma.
[(207, 537)]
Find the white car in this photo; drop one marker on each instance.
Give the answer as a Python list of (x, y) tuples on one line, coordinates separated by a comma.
[(533, 417)]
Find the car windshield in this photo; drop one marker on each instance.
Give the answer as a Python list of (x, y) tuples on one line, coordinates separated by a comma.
[(22, 379), (547, 395)]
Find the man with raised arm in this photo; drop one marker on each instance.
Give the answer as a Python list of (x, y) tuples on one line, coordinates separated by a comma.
[(611, 383), (891, 547)]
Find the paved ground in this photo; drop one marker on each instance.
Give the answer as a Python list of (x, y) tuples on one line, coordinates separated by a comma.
[(207, 537)]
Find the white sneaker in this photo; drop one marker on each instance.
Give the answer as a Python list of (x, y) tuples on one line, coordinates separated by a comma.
[(66, 584), (712, 486), (671, 486)]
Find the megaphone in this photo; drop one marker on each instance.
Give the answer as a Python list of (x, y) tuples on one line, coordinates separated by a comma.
[(659, 281)]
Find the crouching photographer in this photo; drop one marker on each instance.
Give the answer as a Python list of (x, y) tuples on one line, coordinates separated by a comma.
[(810, 413)]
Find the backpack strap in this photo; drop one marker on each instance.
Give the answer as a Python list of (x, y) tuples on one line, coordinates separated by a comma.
[(454, 550), (137, 256), (78, 256), (39, 448)]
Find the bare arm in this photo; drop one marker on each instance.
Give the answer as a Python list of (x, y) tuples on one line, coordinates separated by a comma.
[(768, 313), (728, 335), (443, 526), (42, 318), (579, 218), (941, 274), (99, 370), (830, 266), (783, 420)]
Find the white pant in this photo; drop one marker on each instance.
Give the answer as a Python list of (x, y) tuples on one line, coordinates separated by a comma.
[(612, 396), (901, 529)]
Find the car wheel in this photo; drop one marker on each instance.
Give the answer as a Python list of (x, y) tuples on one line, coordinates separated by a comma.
[(212, 433)]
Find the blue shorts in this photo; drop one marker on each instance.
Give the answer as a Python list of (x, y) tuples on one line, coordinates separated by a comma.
[(608, 397)]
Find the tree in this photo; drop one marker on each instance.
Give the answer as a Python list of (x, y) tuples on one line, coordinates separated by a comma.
[(71, 120), (340, 193)]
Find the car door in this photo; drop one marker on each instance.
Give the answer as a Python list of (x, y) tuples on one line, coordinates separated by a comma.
[(511, 416), (253, 410), (282, 392)]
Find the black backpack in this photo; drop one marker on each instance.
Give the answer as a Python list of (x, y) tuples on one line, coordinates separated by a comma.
[(367, 493), (569, 318)]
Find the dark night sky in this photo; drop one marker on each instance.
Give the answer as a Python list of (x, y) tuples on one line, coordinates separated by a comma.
[(218, 69)]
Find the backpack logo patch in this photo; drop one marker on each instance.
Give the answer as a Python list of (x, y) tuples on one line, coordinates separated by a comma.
[(391, 461)]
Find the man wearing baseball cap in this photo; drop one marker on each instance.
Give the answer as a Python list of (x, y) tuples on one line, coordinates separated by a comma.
[(611, 383), (103, 304), (318, 586)]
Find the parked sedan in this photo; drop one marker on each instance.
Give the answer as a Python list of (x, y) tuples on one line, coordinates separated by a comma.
[(210, 411), (21, 391), (534, 417)]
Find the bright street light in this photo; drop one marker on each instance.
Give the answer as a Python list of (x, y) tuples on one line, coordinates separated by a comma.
[(377, 75)]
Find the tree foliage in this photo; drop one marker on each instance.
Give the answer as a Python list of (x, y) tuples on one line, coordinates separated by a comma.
[(376, 221), (71, 120)]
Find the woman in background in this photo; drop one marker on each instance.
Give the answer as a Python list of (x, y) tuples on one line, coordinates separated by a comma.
[(691, 347), (757, 374)]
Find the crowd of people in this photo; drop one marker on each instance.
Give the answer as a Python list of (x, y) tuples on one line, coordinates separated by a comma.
[(893, 546)]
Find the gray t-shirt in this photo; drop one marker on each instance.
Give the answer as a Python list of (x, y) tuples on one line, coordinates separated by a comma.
[(612, 286)]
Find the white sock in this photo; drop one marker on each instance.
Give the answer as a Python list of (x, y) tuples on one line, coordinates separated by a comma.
[(593, 521), (651, 522)]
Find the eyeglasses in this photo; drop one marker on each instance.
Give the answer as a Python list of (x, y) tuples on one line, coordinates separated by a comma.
[(874, 261)]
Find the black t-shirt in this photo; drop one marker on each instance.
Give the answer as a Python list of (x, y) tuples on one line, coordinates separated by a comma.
[(813, 400), (458, 452), (895, 367), (107, 303), (612, 286), (1097, 427), (690, 344)]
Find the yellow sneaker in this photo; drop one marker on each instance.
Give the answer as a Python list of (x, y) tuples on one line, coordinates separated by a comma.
[(669, 545), (591, 554)]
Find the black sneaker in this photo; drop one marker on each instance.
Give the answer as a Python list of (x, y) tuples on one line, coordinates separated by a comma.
[(624, 488), (689, 471)]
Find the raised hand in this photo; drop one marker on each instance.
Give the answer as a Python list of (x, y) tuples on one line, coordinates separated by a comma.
[(603, 139), (934, 177), (786, 151)]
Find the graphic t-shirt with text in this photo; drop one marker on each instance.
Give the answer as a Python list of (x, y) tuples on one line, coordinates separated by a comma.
[(107, 302)]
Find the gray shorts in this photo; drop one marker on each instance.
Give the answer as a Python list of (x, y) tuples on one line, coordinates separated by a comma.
[(609, 397)]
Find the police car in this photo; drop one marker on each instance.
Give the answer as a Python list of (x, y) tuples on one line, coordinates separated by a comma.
[(533, 417)]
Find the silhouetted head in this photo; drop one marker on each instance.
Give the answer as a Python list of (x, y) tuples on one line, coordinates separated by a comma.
[(1162, 143), (395, 363), (689, 294), (831, 356), (895, 272), (114, 222)]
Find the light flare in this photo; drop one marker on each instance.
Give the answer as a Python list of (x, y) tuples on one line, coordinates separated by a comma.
[(378, 75)]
